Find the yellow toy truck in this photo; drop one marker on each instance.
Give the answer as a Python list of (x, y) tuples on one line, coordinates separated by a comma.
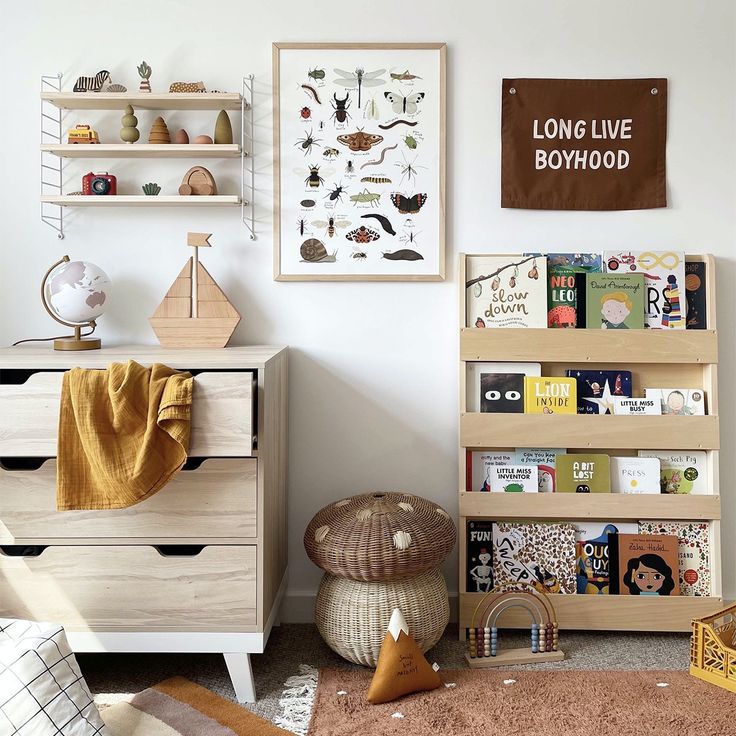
[(82, 134)]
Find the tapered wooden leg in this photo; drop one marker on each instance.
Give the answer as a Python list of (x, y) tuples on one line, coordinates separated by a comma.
[(241, 675)]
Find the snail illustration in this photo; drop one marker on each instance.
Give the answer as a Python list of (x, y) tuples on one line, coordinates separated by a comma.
[(314, 251)]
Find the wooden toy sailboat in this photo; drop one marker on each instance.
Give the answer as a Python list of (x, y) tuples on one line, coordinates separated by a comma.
[(195, 312)]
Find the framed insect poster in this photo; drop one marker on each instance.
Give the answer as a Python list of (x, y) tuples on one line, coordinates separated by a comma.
[(359, 162)]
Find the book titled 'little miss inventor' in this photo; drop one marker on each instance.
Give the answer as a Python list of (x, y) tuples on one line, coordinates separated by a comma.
[(614, 302)]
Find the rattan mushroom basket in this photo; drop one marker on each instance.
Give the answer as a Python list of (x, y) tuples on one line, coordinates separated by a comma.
[(380, 536), (380, 551), (352, 616)]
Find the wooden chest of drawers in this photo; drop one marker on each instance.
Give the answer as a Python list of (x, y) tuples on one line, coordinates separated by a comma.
[(198, 567)]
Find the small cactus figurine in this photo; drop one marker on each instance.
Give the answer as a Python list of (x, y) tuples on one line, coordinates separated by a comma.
[(145, 71), (151, 188), (129, 132)]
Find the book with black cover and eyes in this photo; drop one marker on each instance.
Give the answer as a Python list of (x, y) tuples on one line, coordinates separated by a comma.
[(502, 393)]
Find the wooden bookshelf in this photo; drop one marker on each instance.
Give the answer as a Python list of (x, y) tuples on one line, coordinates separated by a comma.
[(682, 358)]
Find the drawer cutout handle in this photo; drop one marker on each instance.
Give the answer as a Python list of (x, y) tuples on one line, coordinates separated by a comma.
[(22, 550), (179, 550)]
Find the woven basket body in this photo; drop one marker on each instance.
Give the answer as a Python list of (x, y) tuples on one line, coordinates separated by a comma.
[(380, 536), (352, 616)]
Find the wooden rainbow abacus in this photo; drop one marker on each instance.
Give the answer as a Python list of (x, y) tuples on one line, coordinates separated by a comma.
[(483, 648)]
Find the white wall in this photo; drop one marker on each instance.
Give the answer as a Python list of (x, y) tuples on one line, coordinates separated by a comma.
[(373, 366)]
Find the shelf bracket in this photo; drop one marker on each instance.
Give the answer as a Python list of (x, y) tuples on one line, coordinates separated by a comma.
[(52, 167), (247, 167)]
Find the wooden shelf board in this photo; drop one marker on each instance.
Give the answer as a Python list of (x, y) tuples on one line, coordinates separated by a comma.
[(607, 612), (141, 200), (143, 100), (599, 506), (478, 430), (619, 346), (142, 150)]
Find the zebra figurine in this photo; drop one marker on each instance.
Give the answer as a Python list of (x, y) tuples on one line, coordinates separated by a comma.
[(93, 84)]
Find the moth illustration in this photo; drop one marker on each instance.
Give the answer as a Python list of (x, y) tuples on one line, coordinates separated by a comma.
[(363, 234), (408, 205), (401, 104), (360, 141)]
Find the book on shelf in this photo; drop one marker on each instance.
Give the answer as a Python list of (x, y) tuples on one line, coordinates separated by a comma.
[(597, 390), (634, 474), (644, 564), (679, 401), (566, 286), (546, 462), (475, 370), (479, 553), (505, 291), (695, 295), (550, 395), (540, 555), (502, 393), (583, 473), (478, 464), (681, 471), (664, 279), (514, 479), (614, 301), (693, 546), (636, 406), (592, 569)]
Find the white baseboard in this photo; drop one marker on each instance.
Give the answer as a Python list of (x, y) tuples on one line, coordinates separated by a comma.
[(298, 607)]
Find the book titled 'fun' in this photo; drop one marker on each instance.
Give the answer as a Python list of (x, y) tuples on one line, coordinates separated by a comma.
[(543, 395)]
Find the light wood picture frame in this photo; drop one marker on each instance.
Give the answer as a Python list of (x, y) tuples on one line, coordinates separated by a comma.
[(359, 161)]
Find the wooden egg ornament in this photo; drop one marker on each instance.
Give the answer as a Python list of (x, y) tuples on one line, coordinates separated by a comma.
[(159, 132), (181, 136), (198, 181), (203, 139), (223, 129)]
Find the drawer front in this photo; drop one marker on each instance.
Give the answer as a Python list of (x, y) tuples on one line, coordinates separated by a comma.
[(222, 415), (132, 588), (217, 499)]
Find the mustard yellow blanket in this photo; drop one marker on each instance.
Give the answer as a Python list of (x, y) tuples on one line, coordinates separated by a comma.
[(123, 434)]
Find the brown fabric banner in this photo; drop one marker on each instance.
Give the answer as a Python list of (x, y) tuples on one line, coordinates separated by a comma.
[(583, 144)]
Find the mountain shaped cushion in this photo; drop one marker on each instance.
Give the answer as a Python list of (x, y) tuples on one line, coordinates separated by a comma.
[(401, 667)]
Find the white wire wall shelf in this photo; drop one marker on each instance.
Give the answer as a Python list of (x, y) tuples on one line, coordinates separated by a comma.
[(54, 151)]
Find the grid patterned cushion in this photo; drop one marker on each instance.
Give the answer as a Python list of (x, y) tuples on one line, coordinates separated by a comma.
[(42, 691)]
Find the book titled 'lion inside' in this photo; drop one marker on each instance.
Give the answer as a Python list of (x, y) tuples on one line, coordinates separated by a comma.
[(544, 395)]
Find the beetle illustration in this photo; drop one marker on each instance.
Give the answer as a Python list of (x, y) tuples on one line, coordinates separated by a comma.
[(316, 74), (340, 107), (314, 179), (335, 194), (301, 226), (411, 142), (306, 113)]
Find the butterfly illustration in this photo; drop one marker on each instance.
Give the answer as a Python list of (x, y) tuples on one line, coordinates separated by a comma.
[(401, 104), (360, 141), (362, 234), (408, 205)]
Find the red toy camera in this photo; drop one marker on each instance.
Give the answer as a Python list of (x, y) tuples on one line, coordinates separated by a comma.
[(99, 183)]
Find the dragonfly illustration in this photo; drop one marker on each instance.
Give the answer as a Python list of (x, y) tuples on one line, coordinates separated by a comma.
[(359, 79)]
